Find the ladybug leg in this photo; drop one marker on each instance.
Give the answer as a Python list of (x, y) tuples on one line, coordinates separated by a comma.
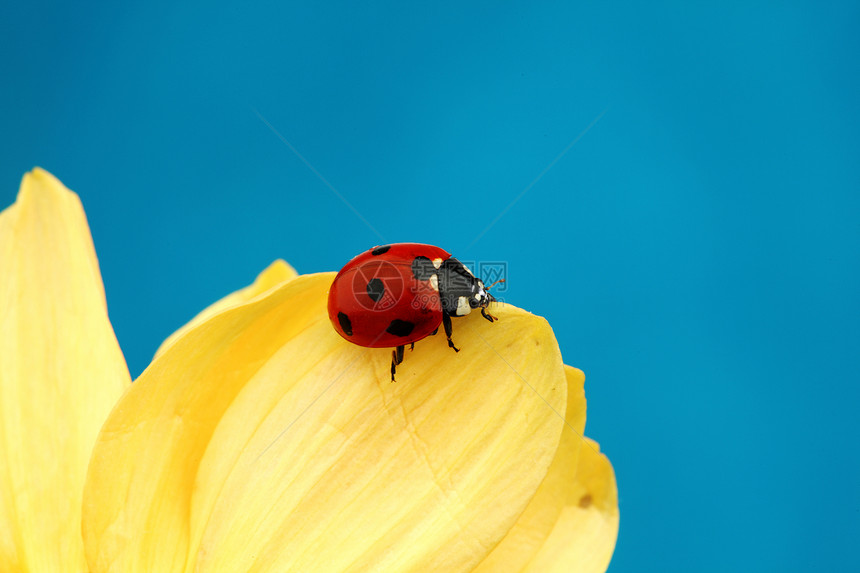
[(487, 315), (446, 322), (412, 346), (396, 358), (434, 332)]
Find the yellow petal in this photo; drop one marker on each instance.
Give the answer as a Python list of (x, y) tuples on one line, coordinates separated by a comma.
[(571, 525), (583, 538), (531, 530), (61, 371), (276, 273), (262, 441)]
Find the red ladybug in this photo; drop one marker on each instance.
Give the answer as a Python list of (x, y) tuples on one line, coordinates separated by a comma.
[(395, 295)]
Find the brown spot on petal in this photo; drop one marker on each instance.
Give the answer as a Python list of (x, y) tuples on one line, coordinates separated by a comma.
[(585, 501)]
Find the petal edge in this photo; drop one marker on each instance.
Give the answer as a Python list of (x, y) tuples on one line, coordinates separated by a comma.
[(60, 374)]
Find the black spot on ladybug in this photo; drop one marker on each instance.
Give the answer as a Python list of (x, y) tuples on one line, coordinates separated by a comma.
[(400, 327), (375, 289), (345, 324), (423, 269), (380, 250)]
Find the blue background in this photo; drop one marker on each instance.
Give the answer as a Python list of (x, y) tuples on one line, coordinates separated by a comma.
[(697, 251)]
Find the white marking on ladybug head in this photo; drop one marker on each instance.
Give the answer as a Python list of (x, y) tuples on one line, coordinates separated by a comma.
[(463, 306), (434, 282), (437, 263), (481, 298)]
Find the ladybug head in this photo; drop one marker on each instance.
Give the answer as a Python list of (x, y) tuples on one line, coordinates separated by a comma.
[(460, 291), (481, 297)]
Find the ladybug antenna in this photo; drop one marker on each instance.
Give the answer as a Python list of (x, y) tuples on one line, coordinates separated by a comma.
[(491, 298)]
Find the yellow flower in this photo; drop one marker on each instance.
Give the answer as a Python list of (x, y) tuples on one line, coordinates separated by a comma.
[(259, 440)]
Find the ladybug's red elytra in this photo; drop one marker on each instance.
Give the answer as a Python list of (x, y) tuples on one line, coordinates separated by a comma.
[(394, 295)]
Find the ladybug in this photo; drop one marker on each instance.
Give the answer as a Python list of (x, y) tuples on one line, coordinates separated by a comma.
[(394, 295)]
